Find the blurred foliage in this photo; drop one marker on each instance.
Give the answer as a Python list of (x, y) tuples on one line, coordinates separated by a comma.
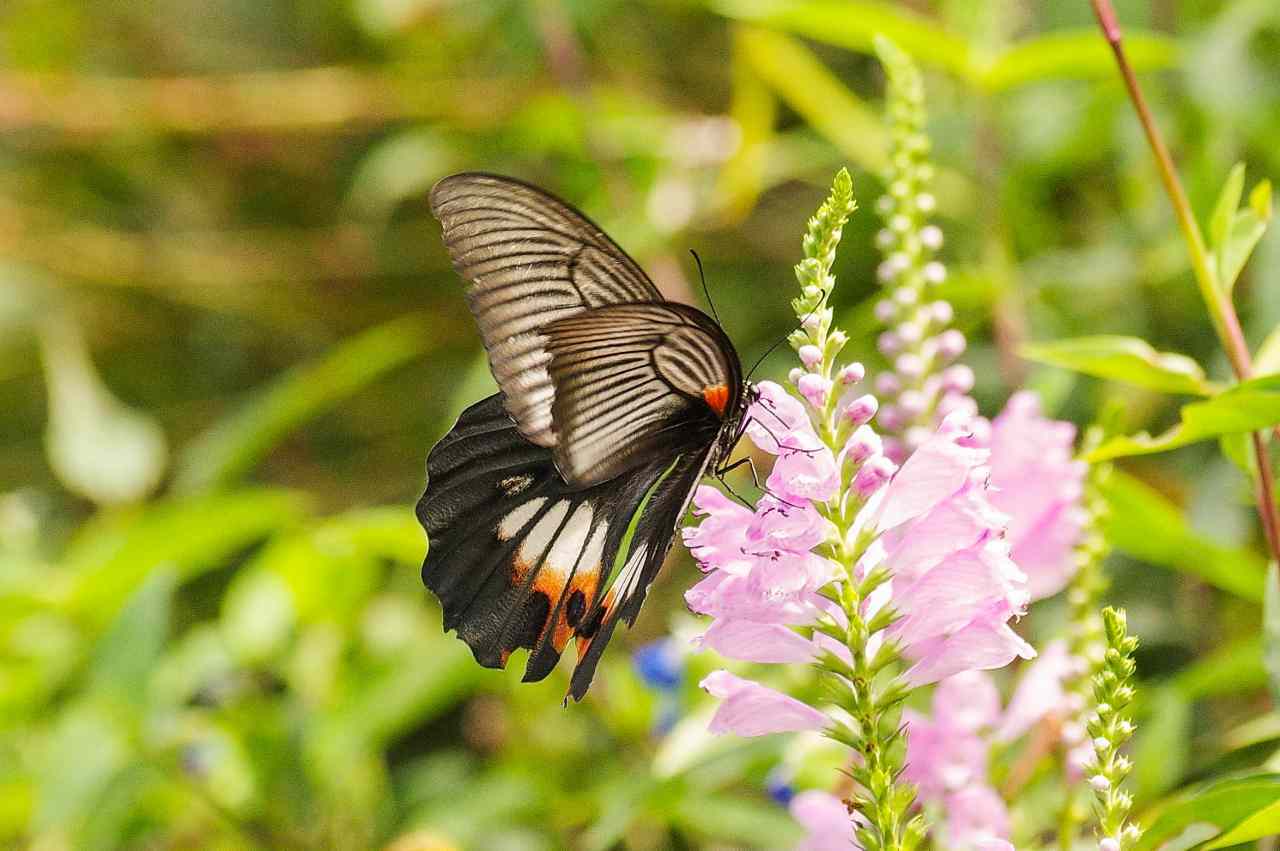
[(228, 335)]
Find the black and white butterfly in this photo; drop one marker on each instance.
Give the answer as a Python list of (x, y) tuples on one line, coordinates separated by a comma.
[(613, 403)]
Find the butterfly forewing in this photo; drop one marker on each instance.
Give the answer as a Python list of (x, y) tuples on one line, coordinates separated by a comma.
[(531, 259)]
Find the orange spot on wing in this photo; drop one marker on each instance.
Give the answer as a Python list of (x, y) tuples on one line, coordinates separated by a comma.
[(717, 397)]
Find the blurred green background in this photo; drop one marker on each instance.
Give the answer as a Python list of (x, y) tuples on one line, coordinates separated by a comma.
[(229, 335)]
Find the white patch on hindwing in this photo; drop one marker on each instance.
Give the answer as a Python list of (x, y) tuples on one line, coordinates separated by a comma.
[(539, 538), (570, 542), (516, 518)]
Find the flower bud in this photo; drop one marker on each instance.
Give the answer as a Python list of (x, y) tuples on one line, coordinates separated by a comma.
[(885, 239), (910, 333), (912, 403), (864, 443), (958, 378), (931, 237), (934, 272), (909, 366), (885, 311), (852, 373), (814, 388), (942, 312), (887, 384), (900, 223), (794, 375), (950, 344), (1099, 782), (861, 410), (916, 437), (810, 355), (889, 343), (873, 474), (906, 296), (926, 203), (1109, 844), (884, 205)]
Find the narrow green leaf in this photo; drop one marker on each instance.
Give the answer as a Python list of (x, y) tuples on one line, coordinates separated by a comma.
[(817, 95), (1249, 406), (1231, 669), (1265, 822), (1125, 359), (131, 647), (1267, 361), (1224, 209), (1221, 804), (235, 444), (1073, 55), (1271, 630), (1147, 526), (754, 108), (854, 25), (1246, 231)]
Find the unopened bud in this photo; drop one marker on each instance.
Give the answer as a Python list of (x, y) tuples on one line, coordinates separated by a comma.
[(810, 355)]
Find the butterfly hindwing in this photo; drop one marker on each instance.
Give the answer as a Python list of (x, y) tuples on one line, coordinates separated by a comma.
[(518, 559), (531, 259)]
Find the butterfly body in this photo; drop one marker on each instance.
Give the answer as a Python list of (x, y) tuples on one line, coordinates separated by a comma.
[(612, 404)]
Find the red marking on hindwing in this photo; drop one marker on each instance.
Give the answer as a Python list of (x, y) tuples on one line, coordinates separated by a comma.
[(717, 397)]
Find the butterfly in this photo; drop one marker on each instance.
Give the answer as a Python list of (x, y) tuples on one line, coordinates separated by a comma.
[(551, 505)]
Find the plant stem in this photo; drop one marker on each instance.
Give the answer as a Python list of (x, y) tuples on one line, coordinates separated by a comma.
[(1221, 311)]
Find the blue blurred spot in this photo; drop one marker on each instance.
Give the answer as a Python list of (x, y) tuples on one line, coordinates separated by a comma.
[(779, 785), (659, 664)]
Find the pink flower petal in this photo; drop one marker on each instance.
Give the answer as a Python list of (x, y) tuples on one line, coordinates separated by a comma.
[(976, 814), (757, 642), (827, 823), (941, 758), (981, 645), (1039, 692), (969, 701), (750, 709), (935, 471)]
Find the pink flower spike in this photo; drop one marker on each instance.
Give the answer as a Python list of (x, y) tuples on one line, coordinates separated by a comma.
[(750, 709), (805, 472), (950, 344), (909, 366), (826, 822)]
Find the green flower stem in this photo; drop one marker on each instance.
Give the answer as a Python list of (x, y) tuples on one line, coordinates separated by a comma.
[(1221, 311), (879, 798), (1111, 728)]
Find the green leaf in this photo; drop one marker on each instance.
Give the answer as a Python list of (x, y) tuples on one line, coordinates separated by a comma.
[(1233, 232), (1271, 630), (234, 445), (114, 555), (754, 108), (128, 651), (1147, 526), (1265, 822), (1221, 804), (1231, 669), (1074, 55), (1249, 406), (1125, 359), (1267, 361), (1224, 209), (817, 95), (855, 25)]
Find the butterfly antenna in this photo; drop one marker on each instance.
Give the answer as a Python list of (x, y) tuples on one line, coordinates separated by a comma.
[(702, 276)]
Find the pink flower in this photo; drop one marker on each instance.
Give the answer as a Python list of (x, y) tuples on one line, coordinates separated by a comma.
[(750, 709), (826, 821), (1036, 482), (941, 757), (953, 584), (976, 818), (1039, 693)]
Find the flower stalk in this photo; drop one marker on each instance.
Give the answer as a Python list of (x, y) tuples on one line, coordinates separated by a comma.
[(1217, 298), (881, 800), (1110, 728)]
